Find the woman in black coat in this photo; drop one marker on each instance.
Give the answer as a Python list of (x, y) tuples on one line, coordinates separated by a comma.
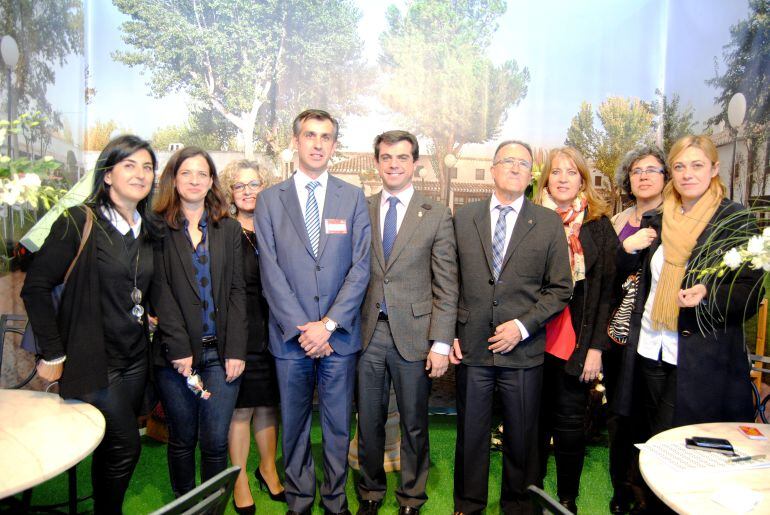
[(201, 341), (688, 372), (576, 337), (96, 346)]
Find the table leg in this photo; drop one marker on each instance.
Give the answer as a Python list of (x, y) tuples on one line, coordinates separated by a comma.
[(72, 479)]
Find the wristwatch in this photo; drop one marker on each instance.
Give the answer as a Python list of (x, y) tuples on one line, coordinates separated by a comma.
[(329, 324)]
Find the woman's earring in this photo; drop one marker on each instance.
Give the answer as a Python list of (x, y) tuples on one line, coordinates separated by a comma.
[(233, 209)]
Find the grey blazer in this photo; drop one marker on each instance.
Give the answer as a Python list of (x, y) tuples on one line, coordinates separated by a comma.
[(535, 282), (419, 282)]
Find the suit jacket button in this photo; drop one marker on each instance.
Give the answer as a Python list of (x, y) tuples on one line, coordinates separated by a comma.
[(492, 282), (491, 325), (318, 268), (495, 303), (315, 298), (686, 333), (386, 281)]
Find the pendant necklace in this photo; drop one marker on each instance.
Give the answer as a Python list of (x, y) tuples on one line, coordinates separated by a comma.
[(136, 293)]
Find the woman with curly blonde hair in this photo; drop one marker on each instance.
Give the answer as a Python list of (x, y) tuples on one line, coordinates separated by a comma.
[(257, 404)]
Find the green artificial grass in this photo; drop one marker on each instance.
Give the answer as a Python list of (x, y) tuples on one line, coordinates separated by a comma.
[(150, 488)]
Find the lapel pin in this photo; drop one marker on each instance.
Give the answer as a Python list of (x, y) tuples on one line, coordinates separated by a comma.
[(529, 221), (419, 214)]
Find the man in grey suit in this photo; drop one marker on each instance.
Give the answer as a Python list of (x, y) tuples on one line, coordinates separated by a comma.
[(514, 276), (408, 322), (313, 238)]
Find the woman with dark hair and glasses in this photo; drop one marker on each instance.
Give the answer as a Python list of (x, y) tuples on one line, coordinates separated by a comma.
[(96, 347), (201, 339), (641, 176)]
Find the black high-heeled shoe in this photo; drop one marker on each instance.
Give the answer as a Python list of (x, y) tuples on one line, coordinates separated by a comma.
[(279, 497), (245, 510)]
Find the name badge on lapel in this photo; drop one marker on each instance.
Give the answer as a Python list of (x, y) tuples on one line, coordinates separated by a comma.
[(335, 226)]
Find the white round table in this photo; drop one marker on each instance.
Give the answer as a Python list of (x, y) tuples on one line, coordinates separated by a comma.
[(691, 491), (41, 436)]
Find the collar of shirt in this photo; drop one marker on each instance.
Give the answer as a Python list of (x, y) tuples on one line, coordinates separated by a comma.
[(516, 204), (404, 197), (120, 224), (301, 179)]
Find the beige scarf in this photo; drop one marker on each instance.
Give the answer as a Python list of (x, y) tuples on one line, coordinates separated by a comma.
[(680, 233)]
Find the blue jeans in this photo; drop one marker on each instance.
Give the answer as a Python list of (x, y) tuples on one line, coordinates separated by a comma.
[(191, 419)]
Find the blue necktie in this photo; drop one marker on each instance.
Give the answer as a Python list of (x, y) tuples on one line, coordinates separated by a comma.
[(312, 220), (389, 237), (498, 241)]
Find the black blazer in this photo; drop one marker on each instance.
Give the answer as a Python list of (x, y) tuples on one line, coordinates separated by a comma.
[(178, 307), (78, 330), (535, 282), (713, 369), (590, 303)]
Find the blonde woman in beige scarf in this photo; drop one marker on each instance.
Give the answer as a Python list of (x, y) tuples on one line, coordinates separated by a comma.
[(687, 376)]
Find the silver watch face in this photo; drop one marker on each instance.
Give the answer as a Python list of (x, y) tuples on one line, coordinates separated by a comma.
[(330, 326)]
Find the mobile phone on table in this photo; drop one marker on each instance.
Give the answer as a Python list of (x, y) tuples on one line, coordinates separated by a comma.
[(705, 443)]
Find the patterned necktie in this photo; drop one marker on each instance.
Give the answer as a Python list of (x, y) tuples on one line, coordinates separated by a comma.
[(389, 228), (498, 241), (312, 219), (389, 238)]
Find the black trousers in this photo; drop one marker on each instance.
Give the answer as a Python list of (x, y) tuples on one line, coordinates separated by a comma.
[(562, 416), (659, 393), (380, 364), (520, 397), (115, 459), (623, 432)]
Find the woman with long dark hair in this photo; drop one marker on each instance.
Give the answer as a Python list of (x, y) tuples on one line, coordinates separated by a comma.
[(201, 339), (576, 337), (96, 347)]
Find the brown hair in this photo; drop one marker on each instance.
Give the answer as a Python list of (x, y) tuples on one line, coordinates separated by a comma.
[(314, 114), (231, 170), (597, 206), (393, 137), (169, 205), (703, 143)]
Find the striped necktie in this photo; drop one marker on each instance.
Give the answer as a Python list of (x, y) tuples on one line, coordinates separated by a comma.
[(498, 241), (312, 218)]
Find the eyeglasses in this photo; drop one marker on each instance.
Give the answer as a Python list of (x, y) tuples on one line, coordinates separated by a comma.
[(638, 172), (509, 163), (253, 186)]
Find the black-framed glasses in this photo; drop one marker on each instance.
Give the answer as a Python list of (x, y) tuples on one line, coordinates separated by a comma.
[(253, 186), (638, 172), (509, 163)]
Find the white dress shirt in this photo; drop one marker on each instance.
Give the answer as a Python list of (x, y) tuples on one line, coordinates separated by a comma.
[(300, 181), (510, 222), (656, 342), (404, 197), (120, 224)]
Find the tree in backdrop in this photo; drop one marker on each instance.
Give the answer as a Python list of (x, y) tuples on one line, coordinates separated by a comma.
[(673, 120), (47, 34), (625, 123), (99, 134), (747, 58), (198, 131), (439, 79), (255, 63)]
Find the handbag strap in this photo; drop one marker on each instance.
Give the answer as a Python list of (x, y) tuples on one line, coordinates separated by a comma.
[(83, 239)]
